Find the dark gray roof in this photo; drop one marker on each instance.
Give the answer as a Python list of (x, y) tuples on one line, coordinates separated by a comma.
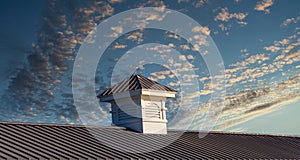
[(40, 141), (135, 82)]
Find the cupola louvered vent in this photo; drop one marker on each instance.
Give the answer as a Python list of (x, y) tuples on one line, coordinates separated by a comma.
[(127, 112), (152, 110)]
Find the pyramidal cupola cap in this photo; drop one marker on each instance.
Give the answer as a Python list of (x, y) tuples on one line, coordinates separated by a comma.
[(135, 82)]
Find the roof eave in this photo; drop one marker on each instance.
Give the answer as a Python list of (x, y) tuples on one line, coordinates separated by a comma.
[(149, 92)]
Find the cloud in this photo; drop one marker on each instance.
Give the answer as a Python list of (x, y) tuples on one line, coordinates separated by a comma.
[(249, 94), (171, 45), (233, 70), (185, 47), (242, 23), (118, 29), (203, 79), (172, 35), (257, 58), (288, 21), (115, 1), (200, 40), (264, 6), (225, 16), (180, 1), (254, 112), (272, 48), (225, 27), (204, 30), (174, 83), (284, 45), (41, 90), (160, 49), (199, 93), (291, 47), (284, 41), (152, 16), (295, 54), (136, 36), (119, 46), (244, 50), (159, 5), (182, 57), (190, 56), (199, 3), (261, 107)]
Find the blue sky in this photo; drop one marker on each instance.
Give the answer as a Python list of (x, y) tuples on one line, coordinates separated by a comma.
[(258, 41)]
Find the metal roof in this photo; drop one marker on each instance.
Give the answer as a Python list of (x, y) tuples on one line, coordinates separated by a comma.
[(41, 141), (135, 82)]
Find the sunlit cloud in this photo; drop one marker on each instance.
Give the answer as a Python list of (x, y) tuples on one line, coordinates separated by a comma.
[(293, 55), (190, 57), (117, 29), (289, 21), (272, 48), (199, 93), (264, 6), (199, 3), (257, 58), (115, 1), (185, 47), (136, 36), (225, 16), (204, 30), (119, 46)]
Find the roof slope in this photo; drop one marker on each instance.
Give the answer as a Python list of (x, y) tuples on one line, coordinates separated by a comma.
[(28, 141), (135, 82)]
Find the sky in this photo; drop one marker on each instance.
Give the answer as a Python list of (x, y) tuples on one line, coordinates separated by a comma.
[(258, 42)]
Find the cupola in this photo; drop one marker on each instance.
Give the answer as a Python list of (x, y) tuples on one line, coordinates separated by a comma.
[(138, 103)]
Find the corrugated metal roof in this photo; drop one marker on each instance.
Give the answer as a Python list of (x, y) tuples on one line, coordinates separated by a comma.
[(33, 141), (135, 82)]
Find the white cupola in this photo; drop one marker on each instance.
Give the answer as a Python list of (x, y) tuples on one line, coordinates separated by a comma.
[(138, 103)]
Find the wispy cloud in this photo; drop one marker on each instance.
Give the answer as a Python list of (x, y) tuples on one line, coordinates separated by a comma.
[(115, 1), (289, 21), (272, 48)]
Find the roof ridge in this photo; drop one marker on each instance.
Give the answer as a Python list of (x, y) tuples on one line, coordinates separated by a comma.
[(147, 79), (137, 76), (238, 133), (59, 125)]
